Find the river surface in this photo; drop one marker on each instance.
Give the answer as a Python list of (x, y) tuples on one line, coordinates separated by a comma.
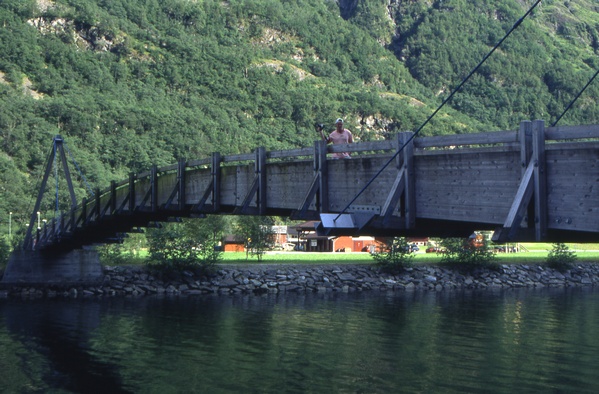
[(526, 341)]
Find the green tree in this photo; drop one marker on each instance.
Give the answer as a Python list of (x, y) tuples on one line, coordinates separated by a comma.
[(257, 233), (560, 257), (461, 251), (396, 255), (171, 249), (5, 250)]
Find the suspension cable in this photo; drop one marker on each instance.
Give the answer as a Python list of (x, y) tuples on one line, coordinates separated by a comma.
[(78, 169), (39, 180), (518, 22), (574, 100)]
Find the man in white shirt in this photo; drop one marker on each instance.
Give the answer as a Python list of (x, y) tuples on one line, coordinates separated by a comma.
[(341, 135)]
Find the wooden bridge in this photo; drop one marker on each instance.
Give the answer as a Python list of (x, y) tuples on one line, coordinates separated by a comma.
[(535, 183)]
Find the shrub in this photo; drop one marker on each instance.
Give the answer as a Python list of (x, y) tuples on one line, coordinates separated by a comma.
[(5, 250), (396, 256), (111, 254), (560, 257), (460, 251), (171, 251)]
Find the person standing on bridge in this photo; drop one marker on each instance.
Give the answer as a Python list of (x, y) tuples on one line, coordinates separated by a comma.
[(341, 135)]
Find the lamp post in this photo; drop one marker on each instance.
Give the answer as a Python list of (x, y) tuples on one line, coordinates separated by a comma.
[(10, 225)]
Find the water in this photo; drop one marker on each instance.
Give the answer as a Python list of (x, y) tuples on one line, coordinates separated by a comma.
[(456, 342)]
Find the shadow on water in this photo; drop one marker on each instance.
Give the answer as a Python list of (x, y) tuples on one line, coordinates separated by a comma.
[(470, 341), (59, 330)]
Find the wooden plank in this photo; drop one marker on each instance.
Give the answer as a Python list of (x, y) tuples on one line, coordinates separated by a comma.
[(496, 137), (199, 162), (563, 221), (170, 167), (280, 154), (572, 132), (514, 147), (241, 157), (577, 146), (288, 183)]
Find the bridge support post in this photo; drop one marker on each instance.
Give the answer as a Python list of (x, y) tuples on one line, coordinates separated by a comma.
[(35, 267), (319, 188), (533, 183), (258, 188), (404, 184)]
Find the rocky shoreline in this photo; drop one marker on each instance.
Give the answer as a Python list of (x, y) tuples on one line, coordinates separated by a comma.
[(273, 278)]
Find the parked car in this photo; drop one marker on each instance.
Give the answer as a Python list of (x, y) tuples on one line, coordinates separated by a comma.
[(411, 248)]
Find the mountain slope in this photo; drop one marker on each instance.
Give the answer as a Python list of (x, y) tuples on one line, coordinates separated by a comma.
[(131, 83)]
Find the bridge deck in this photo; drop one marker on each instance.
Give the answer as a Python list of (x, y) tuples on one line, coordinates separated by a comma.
[(534, 183)]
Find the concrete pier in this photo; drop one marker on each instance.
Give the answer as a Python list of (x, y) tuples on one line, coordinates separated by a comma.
[(76, 266)]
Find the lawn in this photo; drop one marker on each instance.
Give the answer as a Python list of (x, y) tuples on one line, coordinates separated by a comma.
[(536, 253), (533, 253)]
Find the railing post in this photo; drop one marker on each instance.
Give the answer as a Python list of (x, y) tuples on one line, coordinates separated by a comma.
[(181, 176), (525, 138), (215, 173), (540, 179), (83, 212), (320, 163), (131, 192), (154, 188), (112, 197), (98, 206), (410, 184), (260, 168)]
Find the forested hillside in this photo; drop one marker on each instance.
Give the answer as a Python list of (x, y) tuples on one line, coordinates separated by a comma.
[(131, 83)]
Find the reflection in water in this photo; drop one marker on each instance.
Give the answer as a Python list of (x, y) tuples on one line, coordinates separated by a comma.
[(535, 341), (60, 332)]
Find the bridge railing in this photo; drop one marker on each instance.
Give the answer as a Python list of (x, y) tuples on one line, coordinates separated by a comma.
[(567, 137)]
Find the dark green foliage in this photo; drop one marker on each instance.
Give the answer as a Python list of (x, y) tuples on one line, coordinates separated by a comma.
[(461, 252), (396, 256), (112, 254), (127, 252), (5, 250), (560, 257), (173, 250), (131, 83), (256, 233)]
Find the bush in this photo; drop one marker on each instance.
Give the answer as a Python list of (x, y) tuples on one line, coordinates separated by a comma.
[(5, 250), (459, 251), (111, 254), (396, 256), (171, 251), (561, 257)]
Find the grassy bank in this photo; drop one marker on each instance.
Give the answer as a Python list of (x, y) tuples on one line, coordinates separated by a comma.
[(365, 258), (532, 253), (535, 253)]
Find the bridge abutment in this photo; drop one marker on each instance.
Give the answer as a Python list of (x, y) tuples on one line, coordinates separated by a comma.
[(76, 266)]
